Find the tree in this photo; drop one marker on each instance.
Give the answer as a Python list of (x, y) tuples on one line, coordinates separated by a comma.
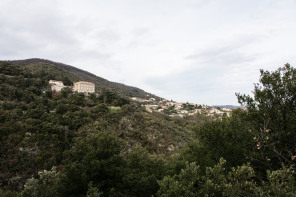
[(183, 184), (100, 110), (142, 172), (67, 81), (65, 92), (272, 111), (93, 98), (10, 69), (61, 108), (112, 98), (95, 158), (218, 181), (44, 186), (228, 138)]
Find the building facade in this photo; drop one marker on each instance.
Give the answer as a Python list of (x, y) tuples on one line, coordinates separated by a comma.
[(84, 86), (56, 85), (54, 82), (57, 88)]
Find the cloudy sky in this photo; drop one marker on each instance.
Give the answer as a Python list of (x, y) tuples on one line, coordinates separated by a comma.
[(201, 51)]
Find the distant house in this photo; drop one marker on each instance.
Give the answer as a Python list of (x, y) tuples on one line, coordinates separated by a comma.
[(54, 82), (56, 85), (84, 86), (57, 88)]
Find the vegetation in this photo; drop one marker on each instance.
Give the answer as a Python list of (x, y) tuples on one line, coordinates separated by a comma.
[(273, 113), (101, 84), (103, 144)]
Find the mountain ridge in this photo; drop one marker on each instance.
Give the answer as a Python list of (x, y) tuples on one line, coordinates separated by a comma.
[(101, 83), (227, 106)]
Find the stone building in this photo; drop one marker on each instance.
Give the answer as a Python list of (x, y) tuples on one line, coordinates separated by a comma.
[(57, 88), (54, 82), (56, 85), (84, 86)]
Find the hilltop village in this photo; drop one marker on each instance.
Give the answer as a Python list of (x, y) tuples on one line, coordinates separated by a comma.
[(172, 108), (178, 109)]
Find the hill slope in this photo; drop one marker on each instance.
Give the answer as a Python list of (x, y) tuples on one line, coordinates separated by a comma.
[(38, 129), (121, 89)]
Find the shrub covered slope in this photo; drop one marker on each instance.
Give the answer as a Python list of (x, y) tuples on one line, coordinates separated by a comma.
[(69, 144)]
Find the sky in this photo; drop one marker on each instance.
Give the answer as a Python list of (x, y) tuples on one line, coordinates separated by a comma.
[(200, 51)]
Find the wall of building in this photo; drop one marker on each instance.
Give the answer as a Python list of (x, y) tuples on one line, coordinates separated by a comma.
[(83, 86)]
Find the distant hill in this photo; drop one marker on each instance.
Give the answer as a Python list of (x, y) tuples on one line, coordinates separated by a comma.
[(227, 106), (79, 74)]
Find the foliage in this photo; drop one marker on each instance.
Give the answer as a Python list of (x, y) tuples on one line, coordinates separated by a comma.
[(65, 92), (170, 110), (142, 172), (218, 181), (237, 182), (281, 182), (93, 191), (94, 158), (43, 186), (183, 184), (273, 112), (99, 110), (48, 72), (8, 193), (112, 98), (228, 138), (9, 69), (188, 106)]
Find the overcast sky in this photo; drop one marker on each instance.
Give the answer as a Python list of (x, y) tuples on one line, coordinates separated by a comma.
[(201, 51)]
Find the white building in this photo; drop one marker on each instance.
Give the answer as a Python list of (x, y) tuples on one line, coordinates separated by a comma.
[(57, 88), (54, 82), (56, 85), (84, 86)]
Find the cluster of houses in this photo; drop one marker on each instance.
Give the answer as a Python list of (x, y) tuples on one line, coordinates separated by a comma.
[(178, 109), (80, 86)]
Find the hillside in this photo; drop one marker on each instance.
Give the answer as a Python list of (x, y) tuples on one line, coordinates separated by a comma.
[(121, 89), (71, 144), (38, 127)]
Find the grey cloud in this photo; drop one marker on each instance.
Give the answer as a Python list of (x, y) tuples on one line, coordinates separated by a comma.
[(198, 86), (140, 31), (195, 80), (109, 35), (30, 27), (227, 55), (214, 74), (14, 44), (199, 4), (141, 37), (38, 29), (95, 54), (220, 56)]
